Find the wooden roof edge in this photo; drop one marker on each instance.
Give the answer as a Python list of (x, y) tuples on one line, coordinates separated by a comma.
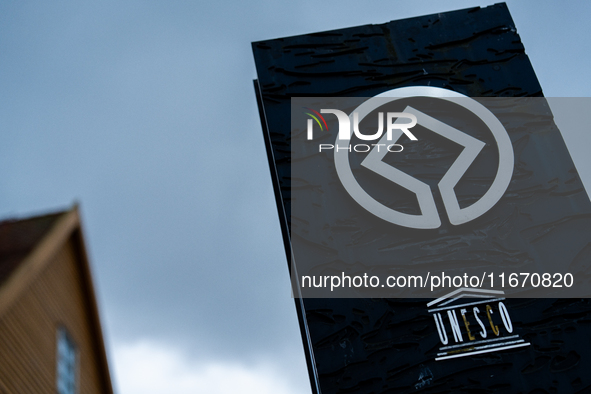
[(37, 259), (91, 300), (68, 225)]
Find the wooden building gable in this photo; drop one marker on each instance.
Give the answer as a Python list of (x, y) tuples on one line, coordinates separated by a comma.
[(50, 333)]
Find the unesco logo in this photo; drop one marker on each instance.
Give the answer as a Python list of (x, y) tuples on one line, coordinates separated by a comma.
[(473, 321), (471, 148)]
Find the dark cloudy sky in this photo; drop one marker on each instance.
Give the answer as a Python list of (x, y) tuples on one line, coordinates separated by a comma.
[(144, 113)]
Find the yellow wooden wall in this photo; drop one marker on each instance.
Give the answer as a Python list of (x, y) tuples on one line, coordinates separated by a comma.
[(28, 331)]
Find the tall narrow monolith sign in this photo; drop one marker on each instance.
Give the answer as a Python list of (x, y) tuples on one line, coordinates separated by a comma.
[(437, 233)]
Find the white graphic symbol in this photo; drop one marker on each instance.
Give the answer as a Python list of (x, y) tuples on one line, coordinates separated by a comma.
[(429, 217)]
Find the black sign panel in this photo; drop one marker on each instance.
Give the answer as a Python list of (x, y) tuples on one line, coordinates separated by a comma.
[(450, 344)]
